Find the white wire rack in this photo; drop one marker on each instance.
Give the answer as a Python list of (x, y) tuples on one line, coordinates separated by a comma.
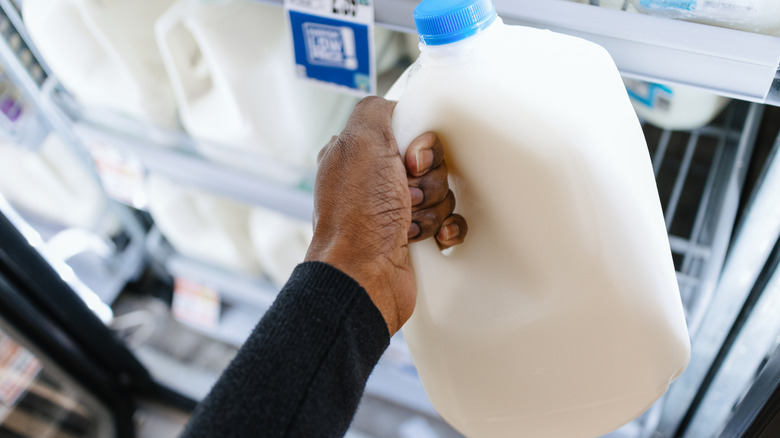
[(700, 175)]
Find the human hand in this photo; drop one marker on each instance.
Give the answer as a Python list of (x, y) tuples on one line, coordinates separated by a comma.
[(369, 203)]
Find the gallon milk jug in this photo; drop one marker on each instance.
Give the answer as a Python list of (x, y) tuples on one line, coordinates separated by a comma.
[(761, 16), (560, 315), (673, 107), (280, 242), (231, 65), (105, 53), (203, 226), (390, 48), (51, 183)]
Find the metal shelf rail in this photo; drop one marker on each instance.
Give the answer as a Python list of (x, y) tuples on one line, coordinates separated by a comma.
[(286, 190), (728, 62)]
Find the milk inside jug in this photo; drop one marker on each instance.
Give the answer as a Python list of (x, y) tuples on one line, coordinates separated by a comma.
[(105, 53), (761, 16), (560, 314), (231, 65)]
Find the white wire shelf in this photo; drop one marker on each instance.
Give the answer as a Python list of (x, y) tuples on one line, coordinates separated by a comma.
[(700, 175), (731, 342), (709, 163)]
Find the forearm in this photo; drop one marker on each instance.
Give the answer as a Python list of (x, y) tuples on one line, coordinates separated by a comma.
[(303, 370)]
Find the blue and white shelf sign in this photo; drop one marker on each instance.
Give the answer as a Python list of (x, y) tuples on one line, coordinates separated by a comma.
[(333, 42)]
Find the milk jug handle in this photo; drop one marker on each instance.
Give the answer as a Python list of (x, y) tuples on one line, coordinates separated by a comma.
[(188, 81), (395, 93)]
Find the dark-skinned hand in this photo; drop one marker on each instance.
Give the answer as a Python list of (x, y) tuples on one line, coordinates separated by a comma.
[(370, 203)]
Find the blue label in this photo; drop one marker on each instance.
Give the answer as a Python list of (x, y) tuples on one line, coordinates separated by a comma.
[(685, 5), (649, 94), (332, 51)]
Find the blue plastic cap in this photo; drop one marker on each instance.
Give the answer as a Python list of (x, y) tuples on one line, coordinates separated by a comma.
[(446, 21)]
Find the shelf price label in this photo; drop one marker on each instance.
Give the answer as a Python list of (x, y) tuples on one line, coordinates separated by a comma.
[(195, 304), (18, 370), (333, 42), (123, 177)]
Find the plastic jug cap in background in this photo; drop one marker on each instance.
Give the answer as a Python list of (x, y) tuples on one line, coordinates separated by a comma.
[(447, 21)]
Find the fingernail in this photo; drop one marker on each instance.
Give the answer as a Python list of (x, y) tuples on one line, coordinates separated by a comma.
[(414, 231), (424, 160), (449, 232), (417, 196)]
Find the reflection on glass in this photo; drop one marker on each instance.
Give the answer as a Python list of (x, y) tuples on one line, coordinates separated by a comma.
[(39, 400)]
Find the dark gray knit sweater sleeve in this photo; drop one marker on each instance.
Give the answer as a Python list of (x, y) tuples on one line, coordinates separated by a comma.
[(303, 369)]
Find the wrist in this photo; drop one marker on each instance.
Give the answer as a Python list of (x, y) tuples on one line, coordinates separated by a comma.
[(368, 273)]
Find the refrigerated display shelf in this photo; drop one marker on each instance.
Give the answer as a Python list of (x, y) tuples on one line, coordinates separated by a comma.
[(700, 174), (24, 68), (93, 300), (723, 61), (755, 413), (19, 125), (710, 163), (183, 164), (741, 321), (745, 64), (699, 253), (246, 299), (237, 288)]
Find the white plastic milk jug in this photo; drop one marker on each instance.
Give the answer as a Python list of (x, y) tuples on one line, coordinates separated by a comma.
[(560, 314), (51, 183), (675, 107), (203, 226), (105, 53), (231, 65), (762, 16), (280, 242)]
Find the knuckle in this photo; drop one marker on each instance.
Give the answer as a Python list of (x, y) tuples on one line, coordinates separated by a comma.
[(450, 201), (322, 153), (369, 102), (434, 186)]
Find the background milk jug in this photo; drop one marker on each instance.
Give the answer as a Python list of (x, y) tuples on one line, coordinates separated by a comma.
[(51, 183), (203, 226), (762, 16), (280, 242), (105, 53), (675, 107), (231, 65), (560, 315)]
